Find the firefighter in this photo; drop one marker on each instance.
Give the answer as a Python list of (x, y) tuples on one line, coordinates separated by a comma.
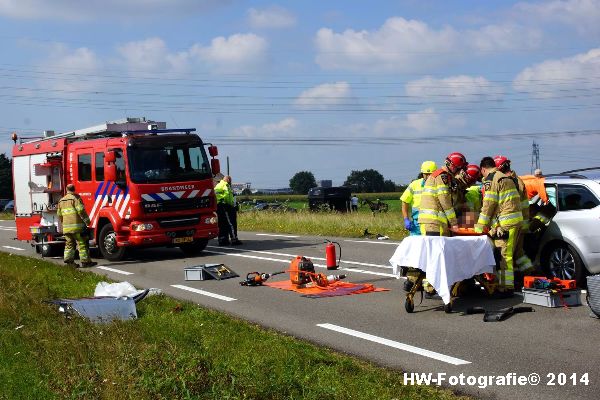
[(225, 206), (523, 264), (411, 198), (74, 221), (501, 202), (468, 196), (437, 213)]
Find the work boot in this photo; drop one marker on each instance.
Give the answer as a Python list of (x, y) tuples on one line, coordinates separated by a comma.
[(224, 242), (71, 263), (236, 242), (88, 264)]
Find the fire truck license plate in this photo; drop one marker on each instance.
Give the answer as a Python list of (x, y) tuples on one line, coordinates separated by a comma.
[(187, 239)]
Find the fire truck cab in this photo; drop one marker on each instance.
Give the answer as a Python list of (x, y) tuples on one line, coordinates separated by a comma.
[(142, 186)]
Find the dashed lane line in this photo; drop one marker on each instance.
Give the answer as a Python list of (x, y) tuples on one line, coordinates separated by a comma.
[(204, 293), (13, 248), (118, 271), (312, 258), (373, 242), (288, 261), (394, 344)]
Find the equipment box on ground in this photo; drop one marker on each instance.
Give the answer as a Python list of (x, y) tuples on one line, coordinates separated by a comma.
[(205, 272), (547, 298)]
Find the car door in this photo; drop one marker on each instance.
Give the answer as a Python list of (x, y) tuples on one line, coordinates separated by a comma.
[(578, 216)]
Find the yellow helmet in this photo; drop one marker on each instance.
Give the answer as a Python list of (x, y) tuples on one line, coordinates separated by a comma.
[(428, 167)]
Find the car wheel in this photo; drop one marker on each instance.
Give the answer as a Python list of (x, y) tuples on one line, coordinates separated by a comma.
[(563, 262), (107, 243), (195, 248)]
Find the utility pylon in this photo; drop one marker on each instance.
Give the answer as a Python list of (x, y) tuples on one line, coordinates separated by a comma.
[(535, 157)]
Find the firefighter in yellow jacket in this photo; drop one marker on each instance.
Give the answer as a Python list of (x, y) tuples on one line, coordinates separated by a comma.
[(74, 221), (523, 263), (501, 202), (437, 214), (225, 208)]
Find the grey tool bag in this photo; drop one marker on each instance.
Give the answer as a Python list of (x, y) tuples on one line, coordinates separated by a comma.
[(593, 294)]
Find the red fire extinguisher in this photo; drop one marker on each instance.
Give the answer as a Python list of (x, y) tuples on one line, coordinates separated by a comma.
[(330, 255)]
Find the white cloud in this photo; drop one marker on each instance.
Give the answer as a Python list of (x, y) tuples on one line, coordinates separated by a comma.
[(583, 15), (280, 128), (325, 95), (401, 45), (455, 88), (152, 55), (271, 17), (73, 10), (236, 53), (553, 77), (81, 62)]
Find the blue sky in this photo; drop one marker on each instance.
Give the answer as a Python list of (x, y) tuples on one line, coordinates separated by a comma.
[(321, 86)]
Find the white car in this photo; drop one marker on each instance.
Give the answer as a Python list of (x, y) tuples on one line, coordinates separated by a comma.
[(570, 246)]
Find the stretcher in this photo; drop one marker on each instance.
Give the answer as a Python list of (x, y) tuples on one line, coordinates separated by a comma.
[(447, 262)]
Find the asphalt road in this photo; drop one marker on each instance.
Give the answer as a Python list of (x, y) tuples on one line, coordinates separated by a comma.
[(559, 345)]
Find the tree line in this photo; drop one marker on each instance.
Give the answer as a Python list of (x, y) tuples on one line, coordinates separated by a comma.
[(365, 181), (6, 188)]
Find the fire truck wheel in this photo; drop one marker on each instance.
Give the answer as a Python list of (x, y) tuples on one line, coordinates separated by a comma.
[(195, 248), (107, 243)]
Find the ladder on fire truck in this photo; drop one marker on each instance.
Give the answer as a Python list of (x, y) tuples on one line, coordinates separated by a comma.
[(121, 126)]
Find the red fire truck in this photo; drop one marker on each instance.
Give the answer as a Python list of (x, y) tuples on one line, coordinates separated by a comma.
[(142, 185)]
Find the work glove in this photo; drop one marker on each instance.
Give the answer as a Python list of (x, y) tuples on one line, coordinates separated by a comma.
[(408, 224)]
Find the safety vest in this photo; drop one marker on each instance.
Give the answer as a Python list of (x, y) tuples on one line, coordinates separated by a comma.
[(501, 201), (224, 193), (473, 197), (72, 213), (436, 200)]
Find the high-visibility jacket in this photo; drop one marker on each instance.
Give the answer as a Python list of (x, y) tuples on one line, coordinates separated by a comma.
[(437, 207), (72, 213), (501, 201), (412, 196), (224, 193), (473, 197), (524, 199), (535, 186)]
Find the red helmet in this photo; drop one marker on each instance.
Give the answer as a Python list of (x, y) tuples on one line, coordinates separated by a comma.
[(502, 163), (473, 173), (456, 161)]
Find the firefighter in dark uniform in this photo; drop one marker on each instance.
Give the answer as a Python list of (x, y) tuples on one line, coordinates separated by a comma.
[(74, 221)]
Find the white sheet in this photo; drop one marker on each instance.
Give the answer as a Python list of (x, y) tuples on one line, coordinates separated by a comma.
[(445, 260)]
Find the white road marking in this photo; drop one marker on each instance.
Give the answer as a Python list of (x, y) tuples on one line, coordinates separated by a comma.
[(288, 261), (312, 258), (13, 248), (373, 242), (268, 234), (204, 293), (394, 344), (118, 271), (7, 228)]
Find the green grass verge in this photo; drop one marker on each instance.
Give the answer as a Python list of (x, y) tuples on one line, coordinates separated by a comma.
[(324, 224), (173, 350), (5, 216)]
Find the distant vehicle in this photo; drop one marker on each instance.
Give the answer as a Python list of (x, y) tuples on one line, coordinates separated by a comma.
[(10, 206), (3, 203), (335, 198), (570, 246), (273, 207)]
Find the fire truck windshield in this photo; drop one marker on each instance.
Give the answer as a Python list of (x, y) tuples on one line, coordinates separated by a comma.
[(177, 163)]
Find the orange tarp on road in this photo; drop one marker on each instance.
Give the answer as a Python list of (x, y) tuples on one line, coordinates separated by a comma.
[(338, 288), (535, 185)]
